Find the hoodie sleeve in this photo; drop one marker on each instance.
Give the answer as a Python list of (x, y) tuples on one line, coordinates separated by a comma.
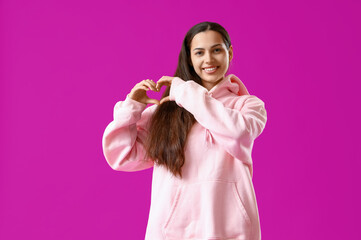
[(231, 127), (123, 138)]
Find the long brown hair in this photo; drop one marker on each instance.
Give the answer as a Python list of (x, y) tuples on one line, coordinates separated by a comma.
[(170, 124)]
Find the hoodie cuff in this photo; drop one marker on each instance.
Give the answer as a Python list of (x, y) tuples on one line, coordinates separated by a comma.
[(128, 102), (176, 82)]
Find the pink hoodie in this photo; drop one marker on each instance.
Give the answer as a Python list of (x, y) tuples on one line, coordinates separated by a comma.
[(215, 197)]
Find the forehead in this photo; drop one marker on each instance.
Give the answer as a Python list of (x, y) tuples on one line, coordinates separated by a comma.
[(206, 39)]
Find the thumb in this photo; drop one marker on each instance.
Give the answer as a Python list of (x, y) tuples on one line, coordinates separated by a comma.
[(165, 99), (152, 101)]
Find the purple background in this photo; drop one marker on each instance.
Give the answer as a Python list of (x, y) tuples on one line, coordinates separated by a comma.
[(64, 64)]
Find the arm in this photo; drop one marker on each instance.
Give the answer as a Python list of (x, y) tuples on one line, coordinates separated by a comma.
[(230, 127), (123, 138)]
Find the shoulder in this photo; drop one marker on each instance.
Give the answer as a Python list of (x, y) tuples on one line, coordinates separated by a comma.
[(247, 100)]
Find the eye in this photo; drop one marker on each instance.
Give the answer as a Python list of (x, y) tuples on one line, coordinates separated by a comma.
[(217, 50), (198, 53)]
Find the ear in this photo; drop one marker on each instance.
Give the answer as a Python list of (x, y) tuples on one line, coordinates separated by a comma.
[(230, 52)]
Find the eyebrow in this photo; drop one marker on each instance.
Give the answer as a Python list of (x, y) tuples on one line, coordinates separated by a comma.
[(211, 47)]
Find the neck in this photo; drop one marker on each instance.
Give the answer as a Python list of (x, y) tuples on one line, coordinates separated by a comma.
[(210, 85)]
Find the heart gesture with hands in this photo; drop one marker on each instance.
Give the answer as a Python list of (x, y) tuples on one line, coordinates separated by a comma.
[(139, 91)]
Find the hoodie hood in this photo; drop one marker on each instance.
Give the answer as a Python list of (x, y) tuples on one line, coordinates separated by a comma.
[(230, 83)]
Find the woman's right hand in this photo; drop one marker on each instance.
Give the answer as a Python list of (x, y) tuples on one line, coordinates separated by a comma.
[(139, 92)]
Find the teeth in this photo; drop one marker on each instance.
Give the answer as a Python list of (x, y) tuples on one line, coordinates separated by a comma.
[(210, 69)]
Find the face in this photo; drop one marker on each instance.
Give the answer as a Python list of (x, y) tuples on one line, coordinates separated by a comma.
[(210, 57)]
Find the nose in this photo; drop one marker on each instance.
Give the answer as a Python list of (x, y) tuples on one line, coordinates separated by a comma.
[(208, 57)]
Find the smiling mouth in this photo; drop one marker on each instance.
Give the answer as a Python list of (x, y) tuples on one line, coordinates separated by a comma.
[(210, 69)]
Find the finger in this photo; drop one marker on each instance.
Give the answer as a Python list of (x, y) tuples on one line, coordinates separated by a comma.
[(140, 87), (143, 88), (151, 100), (152, 83), (149, 85), (162, 82), (165, 99), (165, 79)]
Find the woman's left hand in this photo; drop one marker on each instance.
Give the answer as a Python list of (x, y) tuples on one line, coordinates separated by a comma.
[(166, 81)]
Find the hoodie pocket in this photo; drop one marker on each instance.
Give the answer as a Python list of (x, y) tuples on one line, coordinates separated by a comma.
[(211, 209)]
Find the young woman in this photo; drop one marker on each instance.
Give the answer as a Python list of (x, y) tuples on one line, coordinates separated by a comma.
[(198, 139)]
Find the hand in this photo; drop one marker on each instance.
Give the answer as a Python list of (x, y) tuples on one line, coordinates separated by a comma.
[(139, 92), (164, 81)]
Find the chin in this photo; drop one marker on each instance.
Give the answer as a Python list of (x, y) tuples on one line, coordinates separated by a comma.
[(212, 78)]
